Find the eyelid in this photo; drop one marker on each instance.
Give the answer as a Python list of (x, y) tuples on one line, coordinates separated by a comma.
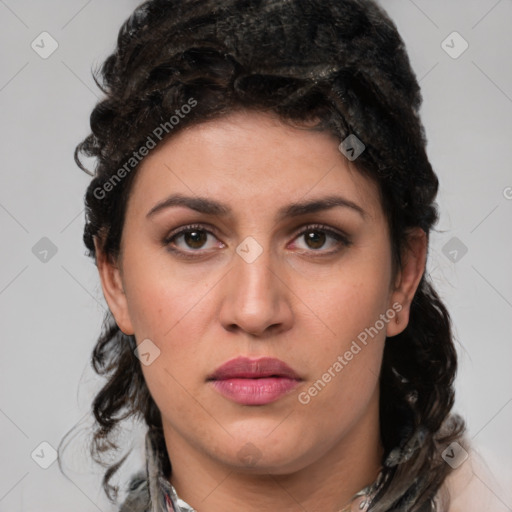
[(341, 237), (207, 228), (322, 227), (190, 227), (191, 254)]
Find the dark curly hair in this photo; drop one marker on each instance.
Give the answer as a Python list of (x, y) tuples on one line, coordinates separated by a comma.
[(340, 64)]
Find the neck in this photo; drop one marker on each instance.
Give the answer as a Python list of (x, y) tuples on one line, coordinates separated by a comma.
[(328, 483)]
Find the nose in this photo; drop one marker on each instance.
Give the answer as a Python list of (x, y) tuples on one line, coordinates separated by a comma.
[(256, 297)]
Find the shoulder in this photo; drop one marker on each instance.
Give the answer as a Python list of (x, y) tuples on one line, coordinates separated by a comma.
[(474, 487), (137, 499)]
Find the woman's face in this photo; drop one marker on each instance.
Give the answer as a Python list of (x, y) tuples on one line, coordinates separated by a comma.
[(259, 274)]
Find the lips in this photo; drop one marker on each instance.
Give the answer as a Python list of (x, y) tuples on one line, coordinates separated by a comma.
[(245, 368), (254, 381)]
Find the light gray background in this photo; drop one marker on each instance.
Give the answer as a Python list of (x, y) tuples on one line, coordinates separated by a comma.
[(51, 312)]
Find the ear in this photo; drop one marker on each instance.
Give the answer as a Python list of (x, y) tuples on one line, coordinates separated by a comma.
[(113, 291), (414, 258)]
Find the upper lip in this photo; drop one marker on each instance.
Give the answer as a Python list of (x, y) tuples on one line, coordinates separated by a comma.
[(244, 367)]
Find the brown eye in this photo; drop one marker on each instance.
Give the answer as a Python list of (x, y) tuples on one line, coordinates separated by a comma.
[(189, 240), (315, 239), (195, 239)]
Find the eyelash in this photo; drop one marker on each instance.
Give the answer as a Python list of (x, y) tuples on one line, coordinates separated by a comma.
[(342, 239)]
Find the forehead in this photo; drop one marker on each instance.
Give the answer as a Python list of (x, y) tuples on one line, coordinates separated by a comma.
[(255, 159)]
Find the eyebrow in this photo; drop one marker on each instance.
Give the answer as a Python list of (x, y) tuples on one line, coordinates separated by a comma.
[(213, 207)]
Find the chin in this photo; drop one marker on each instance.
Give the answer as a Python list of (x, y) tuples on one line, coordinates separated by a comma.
[(260, 454)]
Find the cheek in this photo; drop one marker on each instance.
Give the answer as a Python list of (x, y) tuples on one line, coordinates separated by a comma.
[(345, 394), (168, 315), (162, 300), (348, 300), (349, 336), (344, 364)]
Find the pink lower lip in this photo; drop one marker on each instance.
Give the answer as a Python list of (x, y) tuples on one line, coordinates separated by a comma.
[(254, 391)]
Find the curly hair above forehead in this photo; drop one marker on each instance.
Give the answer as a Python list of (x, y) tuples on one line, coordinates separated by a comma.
[(341, 64)]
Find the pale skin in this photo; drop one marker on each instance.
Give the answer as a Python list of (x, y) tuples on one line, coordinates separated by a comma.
[(303, 303)]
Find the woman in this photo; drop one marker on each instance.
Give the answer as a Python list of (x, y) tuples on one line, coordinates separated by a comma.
[(259, 216)]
